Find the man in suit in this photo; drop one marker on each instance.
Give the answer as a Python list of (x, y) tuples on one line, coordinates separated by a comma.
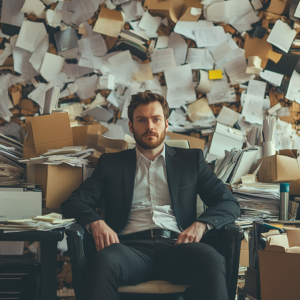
[(151, 230)]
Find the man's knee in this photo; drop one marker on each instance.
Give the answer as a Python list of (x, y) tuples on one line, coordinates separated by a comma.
[(107, 259)]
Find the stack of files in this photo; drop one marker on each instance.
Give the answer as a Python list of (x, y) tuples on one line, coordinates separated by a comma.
[(44, 223), (258, 200), (71, 155), (11, 152), (236, 164), (247, 222)]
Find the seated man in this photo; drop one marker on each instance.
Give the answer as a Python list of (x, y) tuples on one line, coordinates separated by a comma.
[(151, 231)]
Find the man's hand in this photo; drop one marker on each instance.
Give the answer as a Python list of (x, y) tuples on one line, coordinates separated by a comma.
[(194, 233), (103, 235)]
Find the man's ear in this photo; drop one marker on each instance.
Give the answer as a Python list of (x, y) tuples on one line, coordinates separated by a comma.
[(130, 127), (167, 125)]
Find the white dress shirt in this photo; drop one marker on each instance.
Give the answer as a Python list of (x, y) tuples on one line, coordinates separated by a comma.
[(151, 204)]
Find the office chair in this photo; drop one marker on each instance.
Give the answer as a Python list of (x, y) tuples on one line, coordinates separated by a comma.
[(227, 241)]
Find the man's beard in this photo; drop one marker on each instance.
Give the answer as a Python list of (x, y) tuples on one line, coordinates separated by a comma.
[(149, 144)]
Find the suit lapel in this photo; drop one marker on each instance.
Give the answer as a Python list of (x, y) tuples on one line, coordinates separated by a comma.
[(129, 167), (172, 163)]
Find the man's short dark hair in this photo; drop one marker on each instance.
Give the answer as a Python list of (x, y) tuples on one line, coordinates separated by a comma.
[(145, 98)]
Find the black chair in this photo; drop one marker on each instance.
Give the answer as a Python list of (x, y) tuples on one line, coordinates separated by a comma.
[(227, 241)]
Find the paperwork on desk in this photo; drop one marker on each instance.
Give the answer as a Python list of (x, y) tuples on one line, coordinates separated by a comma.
[(258, 200), (43, 223)]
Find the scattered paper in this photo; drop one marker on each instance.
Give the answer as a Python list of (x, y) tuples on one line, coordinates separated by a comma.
[(282, 36), (210, 36), (200, 59), (51, 66)]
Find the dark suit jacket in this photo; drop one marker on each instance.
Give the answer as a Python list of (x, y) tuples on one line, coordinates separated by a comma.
[(187, 175)]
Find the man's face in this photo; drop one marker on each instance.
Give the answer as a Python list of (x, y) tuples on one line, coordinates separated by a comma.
[(149, 126)]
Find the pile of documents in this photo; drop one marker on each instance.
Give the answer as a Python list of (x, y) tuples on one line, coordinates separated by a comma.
[(232, 61), (71, 155), (11, 170), (44, 223), (257, 200)]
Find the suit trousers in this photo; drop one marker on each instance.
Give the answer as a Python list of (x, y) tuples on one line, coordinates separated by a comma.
[(133, 261)]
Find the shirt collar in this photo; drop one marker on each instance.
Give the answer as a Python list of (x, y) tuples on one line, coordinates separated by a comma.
[(139, 156)]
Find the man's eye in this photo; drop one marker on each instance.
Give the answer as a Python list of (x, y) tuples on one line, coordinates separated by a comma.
[(156, 119), (141, 120)]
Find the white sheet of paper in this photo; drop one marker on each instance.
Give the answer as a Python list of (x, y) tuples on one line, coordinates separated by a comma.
[(228, 12), (252, 109), (10, 12), (236, 70), (297, 11), (38, 54), (293, 92), (272, 77), (177, 42), (200, 59), (149, 24), (257, 88), (94, 46), (221, 92), (221, 51), (21, 62), (112, 99), (187, 28), (245, 22), (179, 81), (98, 113), (162, 42), (282, 36), (162, 59), (87, 86), (107, 82), (38, 95), (53, 17), (31, 34), (51, 66), (256, 4), (35, 7), (132, 10), (210, 36), (228, 116)]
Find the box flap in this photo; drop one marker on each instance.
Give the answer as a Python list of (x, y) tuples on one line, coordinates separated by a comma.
[(289, 152), (293, 250), (277, 243), (79, 133), (51, 132)]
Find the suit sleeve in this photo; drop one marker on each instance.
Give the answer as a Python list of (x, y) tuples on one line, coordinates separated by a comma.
[(223, 207), (83, 202)]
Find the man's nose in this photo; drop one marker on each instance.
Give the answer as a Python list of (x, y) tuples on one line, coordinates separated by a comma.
[(150, 125)]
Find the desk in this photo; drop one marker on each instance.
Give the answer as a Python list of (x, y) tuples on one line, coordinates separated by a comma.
[(48, 240)]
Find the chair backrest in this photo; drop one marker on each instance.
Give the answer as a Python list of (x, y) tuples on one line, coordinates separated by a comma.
[(171, 143)]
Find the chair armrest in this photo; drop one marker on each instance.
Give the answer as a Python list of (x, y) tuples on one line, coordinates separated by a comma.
[(75, 229), (75, 239), (231, 236)]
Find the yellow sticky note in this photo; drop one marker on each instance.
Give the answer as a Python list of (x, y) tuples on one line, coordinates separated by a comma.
[(215, 74)]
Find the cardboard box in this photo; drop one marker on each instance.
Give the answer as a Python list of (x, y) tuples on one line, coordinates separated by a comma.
[(279, 168), (195, 143), (79, 133), (57, 182), (279, 269), (173, 9), (46, 132)]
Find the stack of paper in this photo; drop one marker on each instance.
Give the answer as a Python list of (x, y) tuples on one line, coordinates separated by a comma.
[(43, 223), (72, 155), (258, 200)]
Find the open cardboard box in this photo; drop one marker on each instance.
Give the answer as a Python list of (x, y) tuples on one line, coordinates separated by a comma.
[(195, 143), (46, 132), (174, 9), (279, 266), (282, 167)]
